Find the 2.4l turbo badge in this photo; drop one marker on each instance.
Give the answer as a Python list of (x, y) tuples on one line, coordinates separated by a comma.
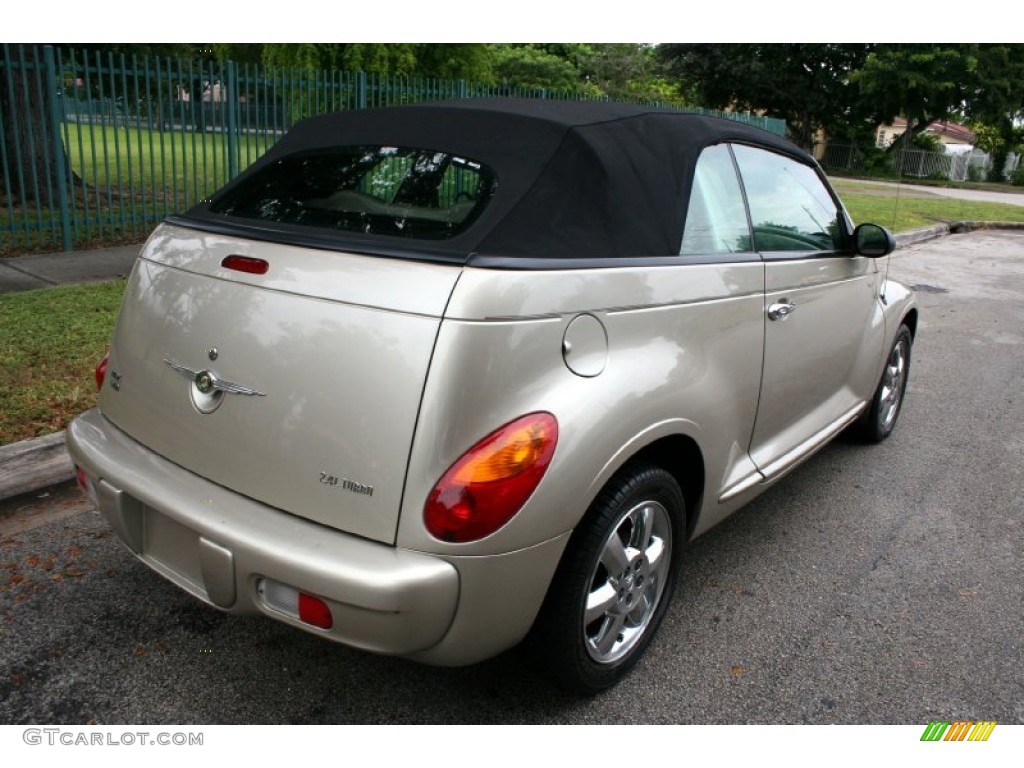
[(345, 484)]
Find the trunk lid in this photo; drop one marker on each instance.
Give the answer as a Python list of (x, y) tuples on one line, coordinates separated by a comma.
[(299, 388)]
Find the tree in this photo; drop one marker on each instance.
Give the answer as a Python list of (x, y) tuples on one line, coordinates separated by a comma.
[(997, 99), (240, 53), (531, 66), (455, 61), (187, 51), (922, 83), (808, 85), (628, 71), (451, 61), (28, 164), (303, 55), (987, 138)]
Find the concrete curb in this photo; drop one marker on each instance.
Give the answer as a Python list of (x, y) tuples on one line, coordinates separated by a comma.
[(31, 465), (923, 234), (972, 226), (933, 231)]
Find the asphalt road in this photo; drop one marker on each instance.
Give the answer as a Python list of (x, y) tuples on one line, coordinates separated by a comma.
[(873, 585)]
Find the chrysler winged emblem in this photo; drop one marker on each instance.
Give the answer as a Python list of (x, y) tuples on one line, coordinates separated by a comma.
[(207, 382)]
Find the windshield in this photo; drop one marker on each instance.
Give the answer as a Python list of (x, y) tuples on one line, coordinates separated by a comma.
[(397, 191)]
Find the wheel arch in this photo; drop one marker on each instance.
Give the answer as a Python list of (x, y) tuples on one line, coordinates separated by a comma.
[(910, 320), (900, 308), (667, 446), (681, 457)]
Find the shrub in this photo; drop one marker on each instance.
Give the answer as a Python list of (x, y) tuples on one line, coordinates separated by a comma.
[(976, 172), (1018, 176), (878, 163), (929, 142)]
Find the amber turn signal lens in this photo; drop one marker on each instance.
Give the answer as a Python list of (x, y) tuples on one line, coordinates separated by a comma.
[(489, 484)]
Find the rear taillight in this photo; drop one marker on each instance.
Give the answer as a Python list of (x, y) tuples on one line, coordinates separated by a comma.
[(101, 371), (485, 488)]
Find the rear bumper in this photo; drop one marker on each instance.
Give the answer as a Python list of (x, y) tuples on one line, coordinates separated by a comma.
[(218, 545)]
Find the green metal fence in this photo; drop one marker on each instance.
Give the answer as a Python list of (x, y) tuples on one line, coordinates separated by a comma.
[(95, 149)]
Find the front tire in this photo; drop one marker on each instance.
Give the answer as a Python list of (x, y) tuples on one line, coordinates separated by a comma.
[(615, 581), (878, 422)]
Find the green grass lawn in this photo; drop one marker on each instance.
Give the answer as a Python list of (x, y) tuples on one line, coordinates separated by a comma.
[(906, 210), (130, 179), (179, 166), (50, 343)]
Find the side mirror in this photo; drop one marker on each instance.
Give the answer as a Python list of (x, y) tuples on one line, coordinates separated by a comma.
[(873, 241)]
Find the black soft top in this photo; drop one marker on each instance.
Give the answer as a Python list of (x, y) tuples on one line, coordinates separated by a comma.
[(579, 180)]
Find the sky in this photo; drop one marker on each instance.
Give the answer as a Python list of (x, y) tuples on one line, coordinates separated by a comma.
[(532, 21)]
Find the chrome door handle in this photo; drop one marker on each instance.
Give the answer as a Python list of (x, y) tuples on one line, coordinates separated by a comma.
[(781, 310)]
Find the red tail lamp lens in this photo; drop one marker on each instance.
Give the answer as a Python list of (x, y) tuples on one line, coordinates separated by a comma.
[(313, 610), (101, 371), (86, 484), (246, 264), (485, 488), (82, 478)]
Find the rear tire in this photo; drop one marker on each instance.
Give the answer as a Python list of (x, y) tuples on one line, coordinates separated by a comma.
[(615, 581)]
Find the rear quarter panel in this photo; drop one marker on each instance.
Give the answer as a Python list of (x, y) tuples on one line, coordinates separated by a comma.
[(684, 357)]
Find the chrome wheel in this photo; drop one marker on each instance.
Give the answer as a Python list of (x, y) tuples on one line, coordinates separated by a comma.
[(627, 582), (893, 382), (879, 419), (615, 580)]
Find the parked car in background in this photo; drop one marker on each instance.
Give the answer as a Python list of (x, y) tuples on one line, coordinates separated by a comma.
[(431, 380)]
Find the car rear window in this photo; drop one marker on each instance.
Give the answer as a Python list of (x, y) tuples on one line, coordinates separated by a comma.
[(399, 191)]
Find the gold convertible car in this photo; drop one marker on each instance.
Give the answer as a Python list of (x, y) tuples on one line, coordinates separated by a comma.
[(433, 379)]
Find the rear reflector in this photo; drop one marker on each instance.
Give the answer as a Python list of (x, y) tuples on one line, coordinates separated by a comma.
[(246, 264), (101, 371), (288, 600), (83, 479), (313, 610), (86, 484)]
